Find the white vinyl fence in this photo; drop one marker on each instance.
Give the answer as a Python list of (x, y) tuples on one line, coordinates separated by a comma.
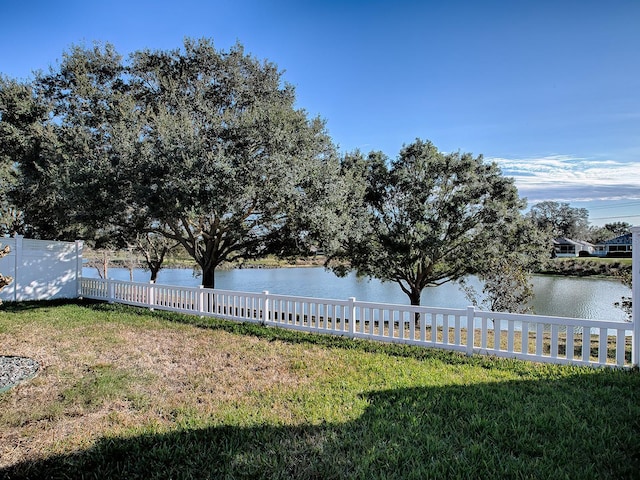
[(529, 337), (41, 269)]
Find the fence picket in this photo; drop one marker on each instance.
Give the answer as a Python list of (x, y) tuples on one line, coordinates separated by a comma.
[(569, 350), (602, 346), (586, 344)]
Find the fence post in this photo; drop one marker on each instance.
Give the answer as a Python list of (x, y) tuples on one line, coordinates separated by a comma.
[(201, 299), (110, 291), (79, 247), (18, 265), (152, 295), (471, 317), (265, 307), (635, 294), (352, 316)]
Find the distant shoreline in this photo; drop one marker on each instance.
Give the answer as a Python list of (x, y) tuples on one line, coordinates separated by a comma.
[(566, 267)]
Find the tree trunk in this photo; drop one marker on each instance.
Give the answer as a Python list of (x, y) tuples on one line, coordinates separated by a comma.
[(154, 274), (415, 300), (414, 296), (208, 277)]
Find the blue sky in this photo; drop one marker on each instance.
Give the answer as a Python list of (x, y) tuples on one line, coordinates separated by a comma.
[(548, 89)]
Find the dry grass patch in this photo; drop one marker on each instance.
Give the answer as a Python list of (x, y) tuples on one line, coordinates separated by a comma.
[(107, 379)]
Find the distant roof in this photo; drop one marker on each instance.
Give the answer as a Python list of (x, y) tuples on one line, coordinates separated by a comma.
[(568, 241), (621, 240)]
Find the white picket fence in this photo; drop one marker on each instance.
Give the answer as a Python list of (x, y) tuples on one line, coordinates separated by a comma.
[(529, 337)]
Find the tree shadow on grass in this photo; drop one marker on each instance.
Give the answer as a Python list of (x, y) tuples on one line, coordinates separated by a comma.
[(26, 305), (582, 426)]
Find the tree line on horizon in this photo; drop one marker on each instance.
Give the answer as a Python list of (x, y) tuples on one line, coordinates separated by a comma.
[(205, 149)]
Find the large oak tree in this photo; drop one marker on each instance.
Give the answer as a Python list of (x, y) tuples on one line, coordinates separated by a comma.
[(204, 147), (560, 219), (227, 157), (429, 217)]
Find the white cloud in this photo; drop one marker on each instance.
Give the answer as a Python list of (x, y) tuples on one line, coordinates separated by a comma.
[(571, 179)]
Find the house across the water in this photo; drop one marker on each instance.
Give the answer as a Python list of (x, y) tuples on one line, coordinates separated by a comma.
[(615, 247), (565, 247)]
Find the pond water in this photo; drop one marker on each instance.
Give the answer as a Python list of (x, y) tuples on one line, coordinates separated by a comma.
[(560, 296)]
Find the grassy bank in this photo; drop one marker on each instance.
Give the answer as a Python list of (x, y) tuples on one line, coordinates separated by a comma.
[(587, 267), (125, 393)]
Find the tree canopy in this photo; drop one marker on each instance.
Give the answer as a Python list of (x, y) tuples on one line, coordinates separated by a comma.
[(430, 217), (201, 146), (22, 136), (227, 155), (67, 126), (560, 219)]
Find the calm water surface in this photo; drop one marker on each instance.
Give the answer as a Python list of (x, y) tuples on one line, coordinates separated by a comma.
[(561, 296)]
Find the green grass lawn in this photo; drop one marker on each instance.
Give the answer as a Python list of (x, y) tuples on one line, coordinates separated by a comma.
[(127, 393)]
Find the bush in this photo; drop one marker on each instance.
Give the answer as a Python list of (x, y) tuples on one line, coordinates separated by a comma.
[(619, 255)]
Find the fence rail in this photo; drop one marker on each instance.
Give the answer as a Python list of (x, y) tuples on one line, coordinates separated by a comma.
[(529, 337)]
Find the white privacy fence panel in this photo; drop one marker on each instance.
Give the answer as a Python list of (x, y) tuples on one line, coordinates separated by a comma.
[(528, 337), (41, 269)]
